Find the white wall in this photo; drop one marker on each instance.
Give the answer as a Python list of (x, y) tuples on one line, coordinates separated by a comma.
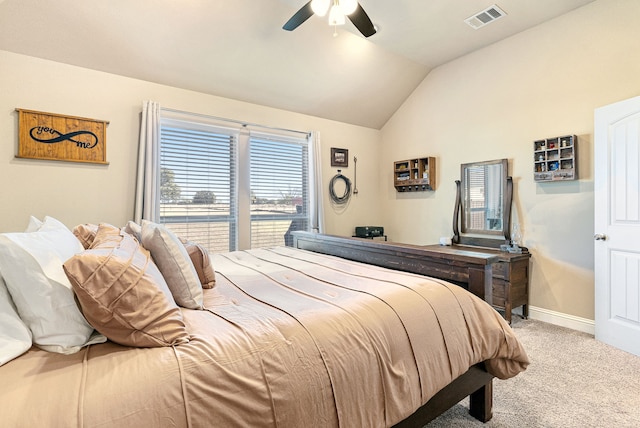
[(493, 104), (78, 193)]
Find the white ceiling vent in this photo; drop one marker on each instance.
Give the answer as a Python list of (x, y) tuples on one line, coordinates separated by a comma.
[(485, 17)]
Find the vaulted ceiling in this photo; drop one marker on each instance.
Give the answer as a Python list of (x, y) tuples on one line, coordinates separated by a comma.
[(237, 48)]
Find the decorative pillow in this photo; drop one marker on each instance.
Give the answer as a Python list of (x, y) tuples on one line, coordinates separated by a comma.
[(85, 234), (201, 261), (15, 337), (133, 228), (31, 264), (174, 263), (34, 224), (123, 294)]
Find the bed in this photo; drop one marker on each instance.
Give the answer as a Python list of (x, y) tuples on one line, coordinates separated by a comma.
[(286, 338)]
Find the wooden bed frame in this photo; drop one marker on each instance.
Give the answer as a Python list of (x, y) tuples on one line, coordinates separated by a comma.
[(468, 269), (476, 384)]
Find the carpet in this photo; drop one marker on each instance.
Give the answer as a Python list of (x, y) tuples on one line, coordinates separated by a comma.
[(572, 381)]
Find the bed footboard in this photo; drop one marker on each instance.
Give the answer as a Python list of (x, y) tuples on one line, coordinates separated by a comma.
[(461, 266)]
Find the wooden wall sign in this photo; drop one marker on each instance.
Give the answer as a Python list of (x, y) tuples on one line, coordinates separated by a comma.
[(56, 137)]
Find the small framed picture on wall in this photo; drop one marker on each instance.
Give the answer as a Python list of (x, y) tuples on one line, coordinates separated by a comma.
[(339, 157)]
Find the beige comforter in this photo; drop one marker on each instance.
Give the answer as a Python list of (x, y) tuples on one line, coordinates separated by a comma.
[(289, 339)]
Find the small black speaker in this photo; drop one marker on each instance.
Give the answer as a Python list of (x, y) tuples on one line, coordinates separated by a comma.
[(369, 231)]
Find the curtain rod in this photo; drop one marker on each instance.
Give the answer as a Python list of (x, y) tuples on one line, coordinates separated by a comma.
[(239, 122)]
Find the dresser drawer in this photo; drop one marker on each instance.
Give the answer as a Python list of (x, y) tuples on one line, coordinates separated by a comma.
[(499, 289), (500, 270), (519, 272)]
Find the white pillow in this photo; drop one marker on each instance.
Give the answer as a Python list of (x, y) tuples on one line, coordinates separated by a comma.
[(31, 264), (34, 224), (15, 337), (175, 264)]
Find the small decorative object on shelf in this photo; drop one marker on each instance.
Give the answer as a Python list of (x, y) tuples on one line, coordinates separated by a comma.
[(555, 159), (415, 174)]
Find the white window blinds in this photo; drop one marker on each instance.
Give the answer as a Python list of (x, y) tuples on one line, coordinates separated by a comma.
[(229, 188), (483, 197), (198, 191), (475, 183), (279, 182)]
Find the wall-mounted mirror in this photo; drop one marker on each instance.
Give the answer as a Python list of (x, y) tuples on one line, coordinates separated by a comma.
[(483, 204)]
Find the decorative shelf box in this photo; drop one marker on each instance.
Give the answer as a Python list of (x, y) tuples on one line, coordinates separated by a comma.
[(414, 175), (555, 159)]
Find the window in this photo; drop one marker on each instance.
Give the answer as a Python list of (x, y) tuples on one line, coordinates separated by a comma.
[(279, 189), (228, 189), (198, 200)]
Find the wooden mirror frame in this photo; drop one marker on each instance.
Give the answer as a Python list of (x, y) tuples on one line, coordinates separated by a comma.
[(507, 200)]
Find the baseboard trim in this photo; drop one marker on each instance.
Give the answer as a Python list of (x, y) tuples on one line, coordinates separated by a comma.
[(563, 320)]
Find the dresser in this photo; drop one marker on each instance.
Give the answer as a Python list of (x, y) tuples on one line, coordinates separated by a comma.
[(510, 278), (500, 278)]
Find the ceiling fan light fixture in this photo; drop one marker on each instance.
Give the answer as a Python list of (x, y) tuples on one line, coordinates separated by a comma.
[(320, 7), (336, 15), (338, 11), (348, 6)]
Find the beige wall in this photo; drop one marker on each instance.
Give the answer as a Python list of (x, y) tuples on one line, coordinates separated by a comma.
[(490, 104), (493, 104), (77, 193)]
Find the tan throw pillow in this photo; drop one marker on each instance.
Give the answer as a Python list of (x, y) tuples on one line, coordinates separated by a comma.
[(201, 261), (175, 264), (123, 294), (85, 233)]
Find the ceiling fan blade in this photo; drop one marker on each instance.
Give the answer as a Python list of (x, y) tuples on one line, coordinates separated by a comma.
[(362, 22), (300, 16)]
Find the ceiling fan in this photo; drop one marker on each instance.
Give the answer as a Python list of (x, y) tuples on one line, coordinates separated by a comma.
[(338, 10)]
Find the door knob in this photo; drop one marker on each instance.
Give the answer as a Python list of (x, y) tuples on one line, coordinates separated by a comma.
[(600, 237)]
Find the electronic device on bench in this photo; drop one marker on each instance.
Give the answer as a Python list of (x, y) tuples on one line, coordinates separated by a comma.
[(369, 231)]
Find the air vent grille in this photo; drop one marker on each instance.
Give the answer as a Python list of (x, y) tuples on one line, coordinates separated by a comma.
[(485, 17)]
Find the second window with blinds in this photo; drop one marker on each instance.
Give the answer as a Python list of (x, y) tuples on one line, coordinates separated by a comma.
[(231, 188)]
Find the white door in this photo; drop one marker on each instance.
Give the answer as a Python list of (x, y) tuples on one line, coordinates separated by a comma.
[(617, 224)]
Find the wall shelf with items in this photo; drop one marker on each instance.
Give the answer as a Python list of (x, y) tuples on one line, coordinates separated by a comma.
[(415, 175), (555, 159)]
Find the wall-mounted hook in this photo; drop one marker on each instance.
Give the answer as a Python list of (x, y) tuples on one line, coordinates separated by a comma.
[(355, 175)]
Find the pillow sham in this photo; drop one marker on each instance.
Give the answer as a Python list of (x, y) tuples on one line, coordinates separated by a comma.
[(197, 253), (31, 264), (15, 337), (123, 294), (202, 262), (175, 264), (133, 228), (34, 224)]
